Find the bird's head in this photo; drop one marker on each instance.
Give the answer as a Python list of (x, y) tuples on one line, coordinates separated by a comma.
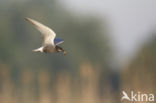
[(59, 49)]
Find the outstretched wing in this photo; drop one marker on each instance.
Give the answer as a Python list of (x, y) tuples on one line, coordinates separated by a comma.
[(58, 41), (47, 33)]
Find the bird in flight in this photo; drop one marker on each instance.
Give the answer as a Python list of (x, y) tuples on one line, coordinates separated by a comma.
[(49, 42)]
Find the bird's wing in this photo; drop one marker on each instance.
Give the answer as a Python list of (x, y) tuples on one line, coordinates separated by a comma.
[(47, 33), (58, 41)]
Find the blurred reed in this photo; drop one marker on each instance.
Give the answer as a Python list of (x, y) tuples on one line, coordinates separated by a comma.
[(40, 87)]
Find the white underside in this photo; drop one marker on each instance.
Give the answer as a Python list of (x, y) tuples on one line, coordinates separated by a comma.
[(48, 49)]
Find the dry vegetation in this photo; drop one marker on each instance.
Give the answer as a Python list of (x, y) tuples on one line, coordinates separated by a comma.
[(39, 88)]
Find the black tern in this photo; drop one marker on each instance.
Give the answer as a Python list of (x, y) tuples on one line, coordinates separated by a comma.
[(49, 42)]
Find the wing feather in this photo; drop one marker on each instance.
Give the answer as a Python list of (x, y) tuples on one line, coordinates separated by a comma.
[(47, 33), (58, 41)]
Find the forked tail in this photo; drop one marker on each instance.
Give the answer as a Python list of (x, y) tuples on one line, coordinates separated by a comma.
[(38, 50)]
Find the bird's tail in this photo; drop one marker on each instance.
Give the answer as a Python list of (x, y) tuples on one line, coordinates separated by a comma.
[(38, 50)]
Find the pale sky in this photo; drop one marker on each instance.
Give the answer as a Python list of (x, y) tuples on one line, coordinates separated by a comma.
[(130, 21)]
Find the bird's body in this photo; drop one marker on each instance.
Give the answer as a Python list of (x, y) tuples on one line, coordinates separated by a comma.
[(49, 49), (49, 42)]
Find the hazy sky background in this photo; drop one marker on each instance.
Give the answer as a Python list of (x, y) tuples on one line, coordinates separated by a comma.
[(130, 21)]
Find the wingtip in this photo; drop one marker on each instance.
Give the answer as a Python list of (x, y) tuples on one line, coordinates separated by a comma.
[(26, 19)]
